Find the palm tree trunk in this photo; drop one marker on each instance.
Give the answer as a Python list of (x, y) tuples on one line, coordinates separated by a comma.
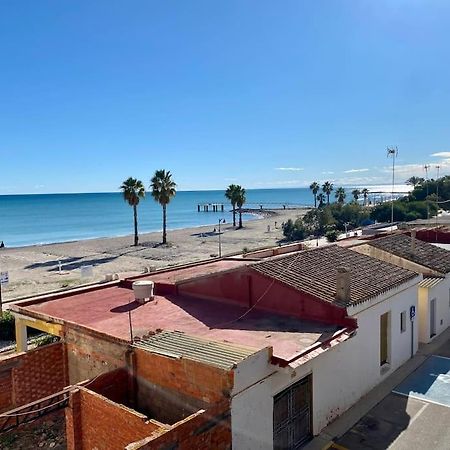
[(315, 200), (136, 238), (240, 217), (328, 199), (164, 224), (234, 214)]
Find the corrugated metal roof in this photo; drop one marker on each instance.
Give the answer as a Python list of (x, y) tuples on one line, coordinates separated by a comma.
[(176, 344), (430, 282)]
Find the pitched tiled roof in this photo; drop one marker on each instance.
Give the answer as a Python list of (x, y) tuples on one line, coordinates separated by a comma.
[(425, 254), (314, 272)]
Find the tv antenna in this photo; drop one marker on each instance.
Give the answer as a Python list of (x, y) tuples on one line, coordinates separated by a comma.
[(392, 152)]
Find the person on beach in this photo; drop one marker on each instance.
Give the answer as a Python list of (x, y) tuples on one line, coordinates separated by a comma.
[(2, 245)]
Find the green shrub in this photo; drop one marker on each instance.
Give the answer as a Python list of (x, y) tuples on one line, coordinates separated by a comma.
[(294, 231), (45, 340), (332, 235), (404, 210), (7, 327)]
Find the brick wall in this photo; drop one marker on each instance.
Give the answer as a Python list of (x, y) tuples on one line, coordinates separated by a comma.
[(163, 404), (94, 422), (90, 354), (114, 385), (200, 381), (6, 401), (441, 235), (32, 375), (210, 429)]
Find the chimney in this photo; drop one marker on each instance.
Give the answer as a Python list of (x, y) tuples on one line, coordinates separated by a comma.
[(413, 241), (343, 284)]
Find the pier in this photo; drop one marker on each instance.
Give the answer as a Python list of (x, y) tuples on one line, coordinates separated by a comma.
[(207, 207)]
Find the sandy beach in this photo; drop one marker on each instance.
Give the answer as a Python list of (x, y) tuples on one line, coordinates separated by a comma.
[(35, 269)]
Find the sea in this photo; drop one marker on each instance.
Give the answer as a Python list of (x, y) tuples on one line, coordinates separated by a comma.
[(35, 219)]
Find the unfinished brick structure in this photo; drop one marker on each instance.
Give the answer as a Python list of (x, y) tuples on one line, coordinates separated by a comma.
[(29, 376)]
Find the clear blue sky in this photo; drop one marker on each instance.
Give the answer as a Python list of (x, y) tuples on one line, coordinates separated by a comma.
[(265, 94)]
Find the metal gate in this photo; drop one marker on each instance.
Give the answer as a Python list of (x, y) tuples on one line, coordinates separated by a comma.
[(292, 416)]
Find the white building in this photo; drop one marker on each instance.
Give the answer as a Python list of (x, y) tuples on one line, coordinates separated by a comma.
[(277, 407), (429, 260)]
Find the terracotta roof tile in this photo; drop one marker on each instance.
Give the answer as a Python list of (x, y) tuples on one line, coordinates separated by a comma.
[(425, 254), (314, 272)]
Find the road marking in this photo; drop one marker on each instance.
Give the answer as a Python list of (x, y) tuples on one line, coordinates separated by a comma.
[(423, 399), (333, 446), (421, 410)]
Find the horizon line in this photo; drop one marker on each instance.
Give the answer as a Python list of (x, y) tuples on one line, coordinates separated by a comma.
[(356, 185)]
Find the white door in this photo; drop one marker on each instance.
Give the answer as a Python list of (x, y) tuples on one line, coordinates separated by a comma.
[(432, 317)]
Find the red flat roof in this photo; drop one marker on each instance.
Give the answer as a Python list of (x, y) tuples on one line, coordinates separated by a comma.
[(106, 310)]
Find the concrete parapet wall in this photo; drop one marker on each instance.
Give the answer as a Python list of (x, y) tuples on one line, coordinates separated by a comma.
[(90, 354)]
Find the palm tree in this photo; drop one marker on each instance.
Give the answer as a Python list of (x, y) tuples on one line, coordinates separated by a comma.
[(231, 194), (163, 190), (321, 199), (340, 195), (356, 193), (327, 187), (133, 190), (315, 189), (365, 193), (414, 181), (240, 200)]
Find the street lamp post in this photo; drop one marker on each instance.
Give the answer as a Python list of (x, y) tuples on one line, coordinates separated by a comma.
[(220, 240)]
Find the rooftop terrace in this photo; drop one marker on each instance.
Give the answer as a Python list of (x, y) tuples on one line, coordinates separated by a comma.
[(106, 310)]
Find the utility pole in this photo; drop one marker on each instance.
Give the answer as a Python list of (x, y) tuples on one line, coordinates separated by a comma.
[(220, 240), (393, 153), (426, 167), (438, 168)]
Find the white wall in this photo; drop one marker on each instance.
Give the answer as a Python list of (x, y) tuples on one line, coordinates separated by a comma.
[(441, 292), (340, 376)]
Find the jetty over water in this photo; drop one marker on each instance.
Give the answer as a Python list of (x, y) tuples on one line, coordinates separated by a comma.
[(213, 207), (219, 207)]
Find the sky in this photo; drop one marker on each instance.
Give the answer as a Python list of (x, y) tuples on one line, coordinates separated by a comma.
[(260, 93)]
